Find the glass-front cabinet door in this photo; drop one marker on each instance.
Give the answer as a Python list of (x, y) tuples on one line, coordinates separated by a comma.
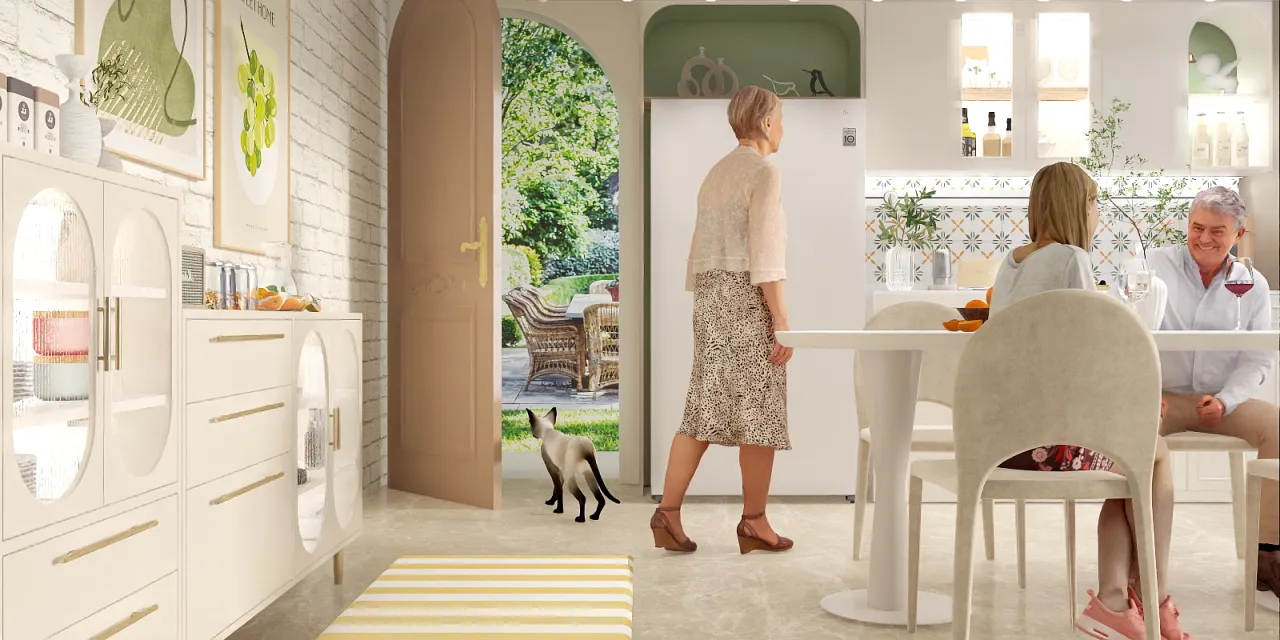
[(54, 345), (141, 447), (343, 339), (313, 438)]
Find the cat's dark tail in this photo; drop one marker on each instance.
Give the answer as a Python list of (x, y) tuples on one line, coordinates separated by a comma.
[(595, 470)]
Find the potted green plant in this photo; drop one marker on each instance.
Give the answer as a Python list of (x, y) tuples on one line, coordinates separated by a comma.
[(81, 129), (905, 227), (1143, 203)]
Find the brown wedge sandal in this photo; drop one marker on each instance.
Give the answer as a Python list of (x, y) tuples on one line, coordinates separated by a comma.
[(749, 540), (664, 536)]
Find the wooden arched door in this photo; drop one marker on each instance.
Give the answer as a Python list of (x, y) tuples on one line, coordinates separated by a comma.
[(443, 236)]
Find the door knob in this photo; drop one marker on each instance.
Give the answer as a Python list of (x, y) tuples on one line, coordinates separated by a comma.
[(482, 248)]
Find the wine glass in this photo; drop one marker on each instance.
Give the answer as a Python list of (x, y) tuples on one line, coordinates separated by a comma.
[(1239, 281)]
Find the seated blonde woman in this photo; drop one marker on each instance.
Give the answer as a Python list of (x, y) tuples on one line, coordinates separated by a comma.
[(1062, 217)]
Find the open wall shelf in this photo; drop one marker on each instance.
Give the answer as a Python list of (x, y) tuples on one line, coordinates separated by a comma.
[(755, 41)]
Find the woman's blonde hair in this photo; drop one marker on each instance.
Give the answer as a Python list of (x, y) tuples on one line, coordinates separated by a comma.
[(748, 108), (1059, 206)]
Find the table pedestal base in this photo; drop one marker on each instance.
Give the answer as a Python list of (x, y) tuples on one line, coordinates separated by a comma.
[(931, 609)]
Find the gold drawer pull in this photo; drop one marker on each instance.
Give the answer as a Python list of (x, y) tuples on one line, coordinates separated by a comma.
[(335, 418), (133, 619), (247, 412), (105, 542), (250, 337), (227, 497)]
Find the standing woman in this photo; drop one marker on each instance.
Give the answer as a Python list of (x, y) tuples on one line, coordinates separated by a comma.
[(738, 389)]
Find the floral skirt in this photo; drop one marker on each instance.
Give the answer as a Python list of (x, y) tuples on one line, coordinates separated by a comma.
[(736, 396), (1058, 457)]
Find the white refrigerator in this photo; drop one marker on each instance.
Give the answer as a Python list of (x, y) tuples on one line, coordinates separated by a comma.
[(822, 161)]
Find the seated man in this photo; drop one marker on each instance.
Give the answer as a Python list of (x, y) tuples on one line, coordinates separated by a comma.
[(1212, 391)]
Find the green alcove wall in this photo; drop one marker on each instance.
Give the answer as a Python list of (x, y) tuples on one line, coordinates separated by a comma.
[(1205, 39), (774, 40)]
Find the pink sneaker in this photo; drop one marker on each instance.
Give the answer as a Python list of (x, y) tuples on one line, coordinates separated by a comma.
[(1170, 627), (1101, 623)]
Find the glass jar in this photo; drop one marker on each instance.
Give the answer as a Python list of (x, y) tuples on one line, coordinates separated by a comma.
[(280, 274), (899, 268)]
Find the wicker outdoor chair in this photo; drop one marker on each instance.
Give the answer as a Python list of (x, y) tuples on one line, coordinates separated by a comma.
[(600, 322), (555, 347), (540, 305)]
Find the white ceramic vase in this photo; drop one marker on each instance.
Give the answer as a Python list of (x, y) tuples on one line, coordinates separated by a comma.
[(109, 160), (79, 128)]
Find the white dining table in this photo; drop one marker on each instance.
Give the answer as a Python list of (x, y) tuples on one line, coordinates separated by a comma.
[(578, 305), (892, 390)]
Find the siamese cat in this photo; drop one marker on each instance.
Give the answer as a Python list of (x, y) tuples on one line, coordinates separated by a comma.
[(566, 457)]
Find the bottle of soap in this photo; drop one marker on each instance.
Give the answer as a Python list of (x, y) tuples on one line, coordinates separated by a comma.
[(1201, 144), (1222, 142), (1240, 144), (968, 140), (1006, 143), (991, 141)]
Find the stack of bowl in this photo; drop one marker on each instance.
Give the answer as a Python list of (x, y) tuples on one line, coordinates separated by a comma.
[(61, 364)]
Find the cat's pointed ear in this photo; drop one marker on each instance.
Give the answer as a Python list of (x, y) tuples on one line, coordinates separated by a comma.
[(551, 415), (530, 412)]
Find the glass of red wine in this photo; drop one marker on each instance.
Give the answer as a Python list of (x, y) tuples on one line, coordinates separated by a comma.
[(1239, 281)]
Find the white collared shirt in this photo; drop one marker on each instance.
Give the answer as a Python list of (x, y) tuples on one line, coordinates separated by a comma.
[(1231, 376)]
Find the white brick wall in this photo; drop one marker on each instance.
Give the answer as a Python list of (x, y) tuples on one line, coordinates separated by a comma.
[(339, 155)]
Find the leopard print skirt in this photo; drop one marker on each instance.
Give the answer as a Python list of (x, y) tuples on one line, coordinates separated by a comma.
[(736, 396)]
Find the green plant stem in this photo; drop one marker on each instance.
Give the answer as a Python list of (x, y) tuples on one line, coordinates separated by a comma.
[(247, 53)]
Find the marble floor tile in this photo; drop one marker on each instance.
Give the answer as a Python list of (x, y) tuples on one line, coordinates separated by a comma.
[(717, 593)]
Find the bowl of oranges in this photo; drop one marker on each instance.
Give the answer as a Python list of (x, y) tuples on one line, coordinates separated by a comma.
[(974, 312)]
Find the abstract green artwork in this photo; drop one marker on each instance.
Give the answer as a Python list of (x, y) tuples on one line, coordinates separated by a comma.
[(160, 115)]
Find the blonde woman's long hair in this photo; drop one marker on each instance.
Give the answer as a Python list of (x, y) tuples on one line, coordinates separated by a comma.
[(1059, 206)]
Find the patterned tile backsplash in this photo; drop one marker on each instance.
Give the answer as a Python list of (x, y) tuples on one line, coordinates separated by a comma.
[(987, 217)]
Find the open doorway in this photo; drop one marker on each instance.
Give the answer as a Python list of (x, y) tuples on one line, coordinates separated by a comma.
[(560, 257)]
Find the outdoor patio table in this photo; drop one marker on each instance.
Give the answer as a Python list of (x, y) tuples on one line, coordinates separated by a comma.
[(894, 358), (578, 306)]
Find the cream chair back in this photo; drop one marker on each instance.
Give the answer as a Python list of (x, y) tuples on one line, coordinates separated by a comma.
[(1062, 367), (937, 370)]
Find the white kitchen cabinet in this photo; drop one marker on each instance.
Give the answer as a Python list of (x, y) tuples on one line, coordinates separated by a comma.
[(1066, 59), (274, 415), (327, 438), (88, 478)]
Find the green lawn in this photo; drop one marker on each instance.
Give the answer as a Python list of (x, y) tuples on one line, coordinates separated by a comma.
[(601, 425), (562, 290)]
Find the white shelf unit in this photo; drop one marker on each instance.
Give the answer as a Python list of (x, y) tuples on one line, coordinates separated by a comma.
[(89, 485), (1134, 52)]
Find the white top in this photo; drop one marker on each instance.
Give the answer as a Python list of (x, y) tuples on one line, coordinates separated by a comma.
[(1231, 376), (1050, 268), (741, 226)]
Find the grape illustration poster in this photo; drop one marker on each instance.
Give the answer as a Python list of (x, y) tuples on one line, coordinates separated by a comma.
[(160, 116), (251, 133)]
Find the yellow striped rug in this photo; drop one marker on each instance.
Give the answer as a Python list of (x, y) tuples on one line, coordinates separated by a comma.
[(499, 597)]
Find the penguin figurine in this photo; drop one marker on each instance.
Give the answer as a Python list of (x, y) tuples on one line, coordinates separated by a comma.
[(815, 81)]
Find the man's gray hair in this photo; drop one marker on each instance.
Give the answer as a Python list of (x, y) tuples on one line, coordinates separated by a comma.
[(1223, 201)]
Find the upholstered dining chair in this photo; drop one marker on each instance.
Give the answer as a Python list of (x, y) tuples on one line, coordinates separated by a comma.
[(937, 382), (1062, 367)]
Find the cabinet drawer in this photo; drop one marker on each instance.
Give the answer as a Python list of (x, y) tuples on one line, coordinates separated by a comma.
[(240, 537), (229, 434), (150, 614), (73, 575), (228, 357)]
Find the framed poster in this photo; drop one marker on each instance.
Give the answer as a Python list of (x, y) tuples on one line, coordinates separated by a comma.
[(251, 173), (161, 116)]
